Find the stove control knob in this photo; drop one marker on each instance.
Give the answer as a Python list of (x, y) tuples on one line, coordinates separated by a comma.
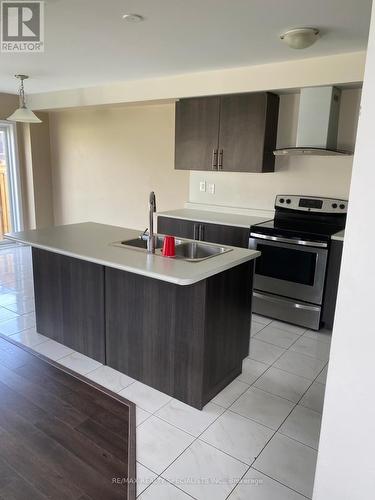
[(289, 201), (282, 200), (342, 206), (334, 205)]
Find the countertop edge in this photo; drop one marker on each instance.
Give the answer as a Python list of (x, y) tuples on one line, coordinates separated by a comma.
[(231, 210), (148, 274), (340, 236), (199, 217)]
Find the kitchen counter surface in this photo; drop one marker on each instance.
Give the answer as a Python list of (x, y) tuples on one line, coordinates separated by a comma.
[(339, 236), (92, 242), (226, 219)]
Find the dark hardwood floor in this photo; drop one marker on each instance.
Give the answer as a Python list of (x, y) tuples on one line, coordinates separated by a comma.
[(60, 437)]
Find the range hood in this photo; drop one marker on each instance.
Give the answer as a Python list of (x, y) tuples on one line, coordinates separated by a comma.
[(317, 124)]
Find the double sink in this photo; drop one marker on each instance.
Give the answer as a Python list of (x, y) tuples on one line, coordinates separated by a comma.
[(190, 251)]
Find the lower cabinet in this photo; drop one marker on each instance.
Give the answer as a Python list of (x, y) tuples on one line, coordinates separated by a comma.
[(226, 235), (186, 341), (332, 283), (212, 233), (69, 302), (178, 227)]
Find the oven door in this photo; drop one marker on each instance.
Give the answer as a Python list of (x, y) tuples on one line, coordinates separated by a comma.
[(290, 268)]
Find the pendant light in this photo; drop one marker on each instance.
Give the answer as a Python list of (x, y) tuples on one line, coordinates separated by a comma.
[(23, 113)]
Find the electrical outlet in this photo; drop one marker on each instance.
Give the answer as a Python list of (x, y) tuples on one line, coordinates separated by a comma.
[(211, 188), (202, 186)]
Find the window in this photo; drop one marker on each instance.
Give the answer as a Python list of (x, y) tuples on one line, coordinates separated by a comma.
[(10, 194)]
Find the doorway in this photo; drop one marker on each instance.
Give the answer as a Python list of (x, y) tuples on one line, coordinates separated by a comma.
[(10, 192)]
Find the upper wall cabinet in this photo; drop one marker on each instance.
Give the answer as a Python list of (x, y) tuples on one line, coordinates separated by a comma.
[(233, 133)]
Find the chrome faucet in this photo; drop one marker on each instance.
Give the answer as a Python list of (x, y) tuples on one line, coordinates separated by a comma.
[(151, 211)]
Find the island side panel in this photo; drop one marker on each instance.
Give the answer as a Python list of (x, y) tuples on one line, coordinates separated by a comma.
[(155, 333), (228, 323), (190, 331), (69, 302)]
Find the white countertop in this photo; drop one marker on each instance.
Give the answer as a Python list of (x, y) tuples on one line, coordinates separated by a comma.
[(226, 219), (92, 242), (339, 236)]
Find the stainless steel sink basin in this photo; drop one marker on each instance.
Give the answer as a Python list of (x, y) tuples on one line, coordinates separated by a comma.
[(190, 251), (195, 251), (139, 243)]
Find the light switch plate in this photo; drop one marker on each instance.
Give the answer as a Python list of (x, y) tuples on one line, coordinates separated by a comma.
[(211, 188), (202, 186)]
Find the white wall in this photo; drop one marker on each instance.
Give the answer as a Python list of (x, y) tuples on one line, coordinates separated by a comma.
[(333, 69), (37, 160), (323, 176), (346, 463), (106, 161)]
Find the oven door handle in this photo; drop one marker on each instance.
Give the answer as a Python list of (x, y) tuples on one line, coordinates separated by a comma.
[(317, 244)]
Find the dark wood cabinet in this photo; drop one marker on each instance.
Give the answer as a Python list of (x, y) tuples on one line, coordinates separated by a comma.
[(235, 133), (248, 129), (69, 302), (178, 227), (197, 130), (186, 341), (212, 233), (225, 235), (332, 283)]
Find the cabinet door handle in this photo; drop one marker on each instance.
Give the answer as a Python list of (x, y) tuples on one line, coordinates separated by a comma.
[(214, 159), (201, 232), (196, 232), (221, 155)]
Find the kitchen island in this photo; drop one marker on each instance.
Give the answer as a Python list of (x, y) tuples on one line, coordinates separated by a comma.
[(181, 327)]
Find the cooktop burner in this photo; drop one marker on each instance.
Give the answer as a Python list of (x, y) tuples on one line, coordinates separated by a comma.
[(294, 228), (305, 218)]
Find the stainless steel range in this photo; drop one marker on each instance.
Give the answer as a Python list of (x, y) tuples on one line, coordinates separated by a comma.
[(290, 274)]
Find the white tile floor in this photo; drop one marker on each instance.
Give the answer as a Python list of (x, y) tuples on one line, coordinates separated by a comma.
[(255, 440)]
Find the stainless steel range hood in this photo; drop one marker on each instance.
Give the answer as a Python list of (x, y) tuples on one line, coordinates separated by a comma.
[(317, 124)]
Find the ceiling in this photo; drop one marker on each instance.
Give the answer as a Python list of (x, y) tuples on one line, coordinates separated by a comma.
[(88, 43)]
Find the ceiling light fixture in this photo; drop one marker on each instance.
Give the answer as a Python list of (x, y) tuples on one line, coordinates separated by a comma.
[(133, 18), (300, 38), (23, 113)]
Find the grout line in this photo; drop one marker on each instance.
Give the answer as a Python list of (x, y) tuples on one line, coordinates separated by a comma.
[(271, 343), (278, 481), (221, 451), (281, 330), (161, 479), (255, 334), (274, 361), (291, 373), (148, 411), (186, 493), (21, 343), (297, 440), (257, 421)]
